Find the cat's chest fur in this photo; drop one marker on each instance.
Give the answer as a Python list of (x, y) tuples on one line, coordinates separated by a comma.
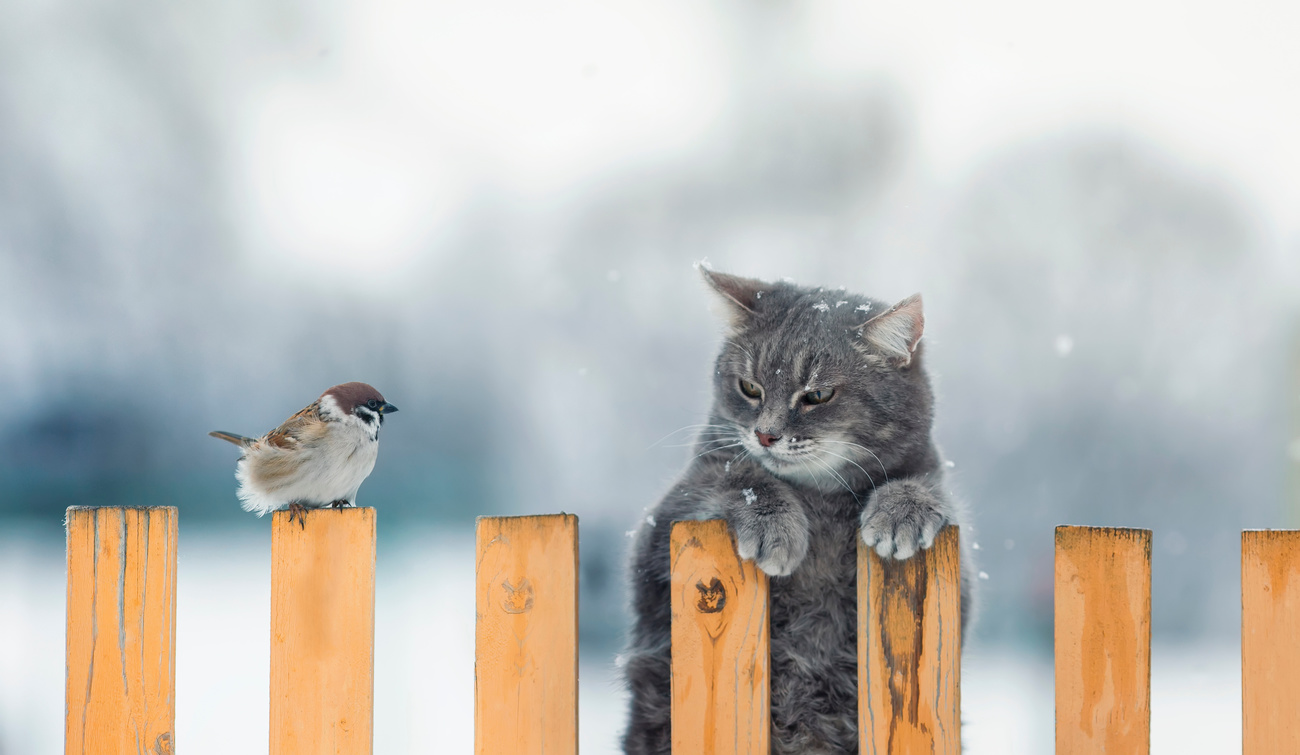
[(814, 634)]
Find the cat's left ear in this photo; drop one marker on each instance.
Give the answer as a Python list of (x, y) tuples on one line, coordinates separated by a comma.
[(897, 330), (739, 295)]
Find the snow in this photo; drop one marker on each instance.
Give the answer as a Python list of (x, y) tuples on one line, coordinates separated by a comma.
[(841, 303), (650, 520), (822, 306), (863, 308), (984, 575), (750, 496)]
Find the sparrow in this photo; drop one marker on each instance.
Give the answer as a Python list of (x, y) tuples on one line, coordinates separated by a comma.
[(318, 457)]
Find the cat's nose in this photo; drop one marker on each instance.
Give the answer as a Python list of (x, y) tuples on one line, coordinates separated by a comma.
[(766, 439)]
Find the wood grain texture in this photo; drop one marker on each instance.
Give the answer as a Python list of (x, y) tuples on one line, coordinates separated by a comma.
[(909, 650), (1103, 640), (1270, 653), (121, 640), (526, 636), (720, 671), (322, 632)]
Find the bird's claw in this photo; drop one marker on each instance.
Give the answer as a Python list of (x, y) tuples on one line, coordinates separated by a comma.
[(300, 511)]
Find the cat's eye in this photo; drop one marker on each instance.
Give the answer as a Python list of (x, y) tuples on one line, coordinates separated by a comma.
[(749, 389), (818, 397)]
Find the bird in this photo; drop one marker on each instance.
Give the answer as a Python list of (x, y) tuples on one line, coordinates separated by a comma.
[(318, 457)]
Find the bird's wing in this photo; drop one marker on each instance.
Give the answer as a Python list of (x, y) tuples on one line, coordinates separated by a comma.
[(303, 426)]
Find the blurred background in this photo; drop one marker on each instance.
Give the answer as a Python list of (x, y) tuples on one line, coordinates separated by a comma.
[(210, 212)]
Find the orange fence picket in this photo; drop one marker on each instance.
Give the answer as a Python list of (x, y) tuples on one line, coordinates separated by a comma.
[(526, 636), (121, 641), (1270, 653), (720, 702), (1103, 640), (909, 650), (322, 632)]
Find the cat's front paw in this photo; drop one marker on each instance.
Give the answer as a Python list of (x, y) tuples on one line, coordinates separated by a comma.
[(902, 518), (774, 538)]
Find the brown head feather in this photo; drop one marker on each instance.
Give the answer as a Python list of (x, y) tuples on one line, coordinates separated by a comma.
[(351, 395)]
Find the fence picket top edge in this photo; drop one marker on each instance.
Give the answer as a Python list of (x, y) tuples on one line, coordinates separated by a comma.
[(1067, 535), (480, 518), (94, 507), (71, 509), (1129, 531)]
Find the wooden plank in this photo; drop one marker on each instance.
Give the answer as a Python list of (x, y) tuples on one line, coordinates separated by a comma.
[(323, 632), (720, 671), (121, 641), (1270, 655), (526, 636), (1103, 640), (909, 650)]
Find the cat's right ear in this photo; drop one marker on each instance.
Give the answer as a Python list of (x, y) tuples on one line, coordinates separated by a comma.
[(897, 331), (738, 295)]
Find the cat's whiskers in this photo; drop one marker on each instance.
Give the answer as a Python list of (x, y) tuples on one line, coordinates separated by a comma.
[(711, 450), (811, 475), (822, 463), (864, 448), (705, 426), (854, 463), (713, 437), (716, 444)]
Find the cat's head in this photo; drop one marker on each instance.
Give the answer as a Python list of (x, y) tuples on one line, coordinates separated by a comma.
[(820, 385)]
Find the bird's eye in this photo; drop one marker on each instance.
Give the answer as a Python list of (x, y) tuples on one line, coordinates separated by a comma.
[(818, 397), (749, 389), (373, 404)]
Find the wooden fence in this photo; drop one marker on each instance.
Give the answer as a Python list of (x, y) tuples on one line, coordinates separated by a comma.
[(121, 639)]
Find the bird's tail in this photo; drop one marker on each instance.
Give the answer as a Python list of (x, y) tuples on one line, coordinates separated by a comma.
[(238, 440)]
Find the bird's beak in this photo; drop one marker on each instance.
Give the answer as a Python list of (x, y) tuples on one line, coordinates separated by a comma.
[(387, 408)]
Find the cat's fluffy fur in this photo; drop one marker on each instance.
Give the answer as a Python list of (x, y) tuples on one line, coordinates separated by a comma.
[(861, 464)]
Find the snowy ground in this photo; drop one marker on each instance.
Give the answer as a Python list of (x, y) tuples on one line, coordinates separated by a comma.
[(424, 661)]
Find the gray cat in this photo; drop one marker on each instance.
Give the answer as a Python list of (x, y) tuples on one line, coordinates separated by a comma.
[(819, 434)]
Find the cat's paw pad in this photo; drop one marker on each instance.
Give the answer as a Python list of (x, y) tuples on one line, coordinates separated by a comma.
[(900, 520), (776, 541)]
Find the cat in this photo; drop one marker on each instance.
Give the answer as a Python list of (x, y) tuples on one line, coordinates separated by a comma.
[(819, 434)]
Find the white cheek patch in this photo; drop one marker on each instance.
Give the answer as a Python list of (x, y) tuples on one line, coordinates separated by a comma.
[(330, 408)]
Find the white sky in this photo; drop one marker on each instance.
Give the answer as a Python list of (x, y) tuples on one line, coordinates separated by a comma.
[(419, 105)]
